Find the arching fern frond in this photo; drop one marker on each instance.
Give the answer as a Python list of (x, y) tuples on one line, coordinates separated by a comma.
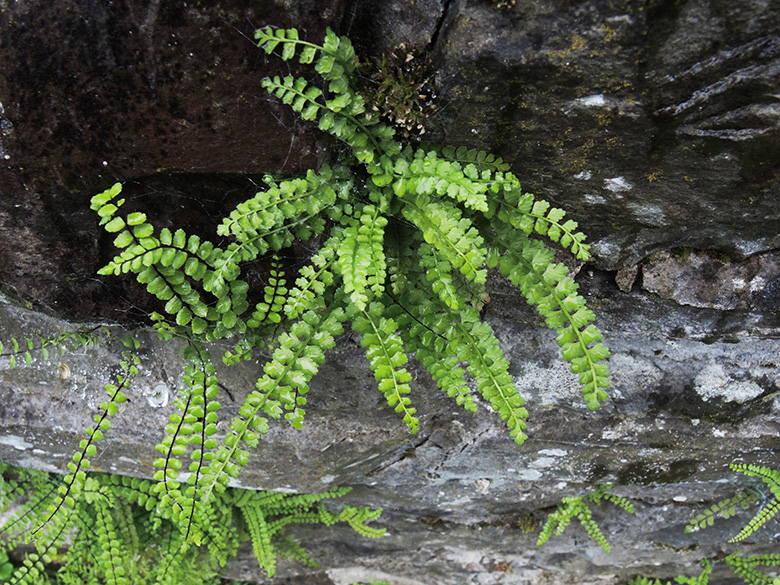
[(743, 499), (386, 356), (577, 507), (745, 567), (771, 479), (546, 285)]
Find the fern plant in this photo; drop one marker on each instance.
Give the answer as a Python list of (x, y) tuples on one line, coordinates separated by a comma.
[(408, 235), (702, 579), (745, 568), (579, 507), (743, 499), (122, 532)]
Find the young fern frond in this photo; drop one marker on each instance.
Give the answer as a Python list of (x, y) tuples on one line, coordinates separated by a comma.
[(271, 308), (386, 356), (522, 211), (24, 350), (728, 507), (745, 567), (192, 428), (577, 507)]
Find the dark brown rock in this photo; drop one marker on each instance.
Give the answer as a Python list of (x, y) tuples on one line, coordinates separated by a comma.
[(97, 92)]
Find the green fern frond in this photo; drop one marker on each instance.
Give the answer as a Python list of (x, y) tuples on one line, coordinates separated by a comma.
[(427, 174), (764, 515), (312, 281), (726, 508), (745, 567), (25, 349), (282, 388), (114, 540), (271, 308), (423, 329), (361, 258), (386, 356), (743, 499), (521, 211), (482, 160), (547, 287), (474, 342), (702, 579), (443, 226), (771, 479), (577, 507), (273, 218)]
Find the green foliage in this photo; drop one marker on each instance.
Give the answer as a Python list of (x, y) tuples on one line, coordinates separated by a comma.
[(408, 235), (702, 579), (124, 531), (17, 351), (578, 506), (728, 507), (745, 568)]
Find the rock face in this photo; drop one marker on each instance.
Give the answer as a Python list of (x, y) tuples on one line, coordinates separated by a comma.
[(655, 124)]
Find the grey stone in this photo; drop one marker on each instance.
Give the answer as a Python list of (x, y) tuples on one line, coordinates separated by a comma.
[(164, 96), (655, 124), (706, 280), (453, 494)]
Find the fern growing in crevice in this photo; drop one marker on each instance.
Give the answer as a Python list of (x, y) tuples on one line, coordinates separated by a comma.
[(743, 499), (745, 568), (408, 236), (123, 530), (702, 579), (579, 507)]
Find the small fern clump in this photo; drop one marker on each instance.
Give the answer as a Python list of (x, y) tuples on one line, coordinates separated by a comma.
[(578, 507), (702, 579), (407, 237), (728, 508), (121, 530)]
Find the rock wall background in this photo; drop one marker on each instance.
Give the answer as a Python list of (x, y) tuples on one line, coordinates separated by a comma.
[(654, 123)]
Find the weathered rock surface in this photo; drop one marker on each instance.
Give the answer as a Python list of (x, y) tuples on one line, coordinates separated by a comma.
[(654, 123), (695, 389)]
